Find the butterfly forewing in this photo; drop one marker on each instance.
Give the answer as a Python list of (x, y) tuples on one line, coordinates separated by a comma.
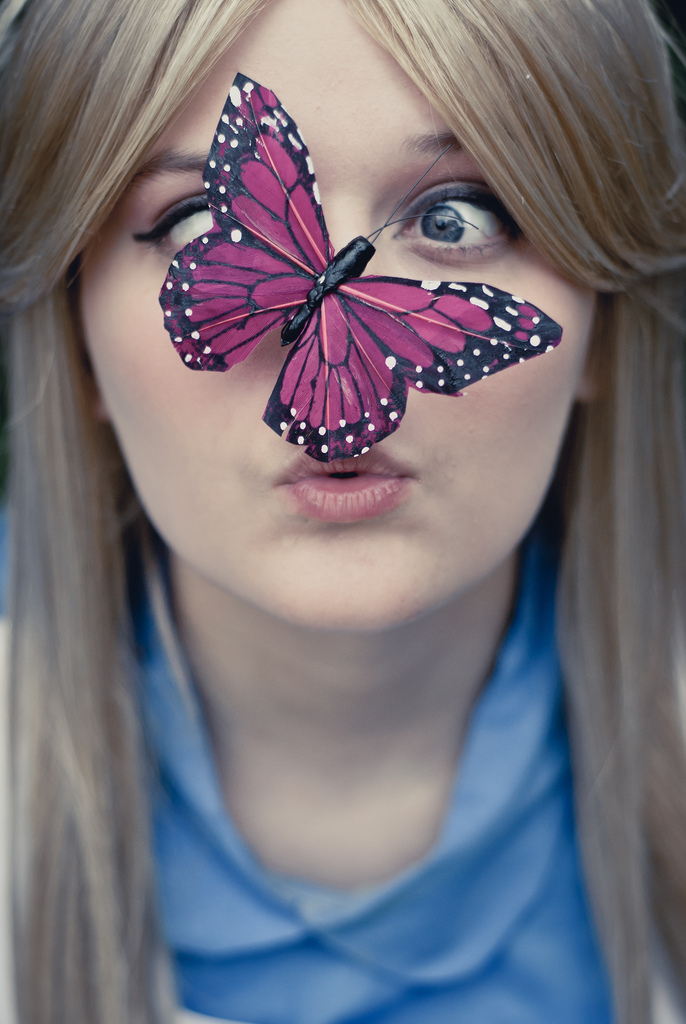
[(254, 268)]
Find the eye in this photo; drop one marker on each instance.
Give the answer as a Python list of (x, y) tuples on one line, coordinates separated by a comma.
[(185, 230), (453, 221), (180, 225)]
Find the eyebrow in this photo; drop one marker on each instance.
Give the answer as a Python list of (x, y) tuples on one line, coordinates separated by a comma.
[(432, 142), (170, 161)]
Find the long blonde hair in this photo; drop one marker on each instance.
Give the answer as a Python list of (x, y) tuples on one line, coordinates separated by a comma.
[(567, 108)]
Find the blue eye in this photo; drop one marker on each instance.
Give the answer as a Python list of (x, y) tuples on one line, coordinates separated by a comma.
[(453, 221), (442, 224)]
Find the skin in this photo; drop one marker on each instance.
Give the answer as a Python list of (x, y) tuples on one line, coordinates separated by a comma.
[(338, 662)]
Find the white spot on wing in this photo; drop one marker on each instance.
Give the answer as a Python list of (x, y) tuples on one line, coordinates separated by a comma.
[(478, 302), (236, 235), (502, 324), (294, 142), (235, 96)]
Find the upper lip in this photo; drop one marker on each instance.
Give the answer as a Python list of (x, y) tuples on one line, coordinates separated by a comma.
[(375, 462)]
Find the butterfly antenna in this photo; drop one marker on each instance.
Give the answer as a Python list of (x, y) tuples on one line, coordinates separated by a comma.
[(375, 234)]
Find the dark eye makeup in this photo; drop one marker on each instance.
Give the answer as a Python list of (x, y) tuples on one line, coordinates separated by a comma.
[(186, 208), (440, 222), (437, 220)]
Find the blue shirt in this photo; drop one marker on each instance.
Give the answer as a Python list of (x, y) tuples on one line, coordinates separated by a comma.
[(492, 926)]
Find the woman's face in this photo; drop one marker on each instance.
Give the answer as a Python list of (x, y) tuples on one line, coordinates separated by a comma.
[(466, 475)]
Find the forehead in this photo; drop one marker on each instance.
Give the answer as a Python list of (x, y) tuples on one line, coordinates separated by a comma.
[(353, 103)]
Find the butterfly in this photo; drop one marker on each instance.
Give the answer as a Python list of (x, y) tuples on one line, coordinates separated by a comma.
[(357, 343)]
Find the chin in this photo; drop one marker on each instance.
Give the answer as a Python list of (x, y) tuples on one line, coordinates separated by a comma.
[(371, 606)]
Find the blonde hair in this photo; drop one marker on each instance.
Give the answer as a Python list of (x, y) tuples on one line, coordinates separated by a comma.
[(568, 110)]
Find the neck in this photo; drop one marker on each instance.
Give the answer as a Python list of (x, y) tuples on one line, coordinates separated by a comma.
[(336, 751)]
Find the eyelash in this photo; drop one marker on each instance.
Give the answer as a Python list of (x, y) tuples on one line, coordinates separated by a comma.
[(171, 218), (465, 193)]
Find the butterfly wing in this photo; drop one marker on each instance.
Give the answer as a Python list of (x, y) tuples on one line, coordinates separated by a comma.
[(336, 393), (345, 385), (268, 241)]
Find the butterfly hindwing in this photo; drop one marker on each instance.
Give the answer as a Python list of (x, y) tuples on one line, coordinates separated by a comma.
[(337, 392), (344, 386)]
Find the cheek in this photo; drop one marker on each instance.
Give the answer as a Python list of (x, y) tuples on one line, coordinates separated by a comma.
[(175, 426), (496, 447)]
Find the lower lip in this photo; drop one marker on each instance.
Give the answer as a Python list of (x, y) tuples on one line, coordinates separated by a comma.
[(347, 501)]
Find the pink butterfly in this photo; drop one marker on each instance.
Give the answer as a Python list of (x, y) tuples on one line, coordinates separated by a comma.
[(358, 343)]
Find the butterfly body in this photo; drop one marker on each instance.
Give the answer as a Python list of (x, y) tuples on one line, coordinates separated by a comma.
[(357, 343), (349, 262)]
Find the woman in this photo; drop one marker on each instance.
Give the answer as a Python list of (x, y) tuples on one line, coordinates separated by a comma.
[(161, 533)]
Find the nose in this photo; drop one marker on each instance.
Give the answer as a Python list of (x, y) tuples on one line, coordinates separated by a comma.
[(347, 216)]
